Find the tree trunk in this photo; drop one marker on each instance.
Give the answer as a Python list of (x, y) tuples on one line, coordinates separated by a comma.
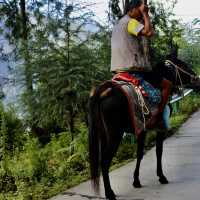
[(125, 4), (24, 19), (24, 36), (27, 64)]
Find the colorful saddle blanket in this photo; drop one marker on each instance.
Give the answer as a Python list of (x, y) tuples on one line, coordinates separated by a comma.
[(152, 94)]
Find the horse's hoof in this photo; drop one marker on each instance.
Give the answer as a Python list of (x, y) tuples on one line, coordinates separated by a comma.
[(111, 196), (163, 180), (137, 184)]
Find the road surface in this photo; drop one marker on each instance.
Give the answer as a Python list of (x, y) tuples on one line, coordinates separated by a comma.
[(181, 164)]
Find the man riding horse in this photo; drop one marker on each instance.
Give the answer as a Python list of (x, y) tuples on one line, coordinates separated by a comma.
[(130, 57)]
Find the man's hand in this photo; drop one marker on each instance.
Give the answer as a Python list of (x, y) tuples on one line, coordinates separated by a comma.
[(144, 9)]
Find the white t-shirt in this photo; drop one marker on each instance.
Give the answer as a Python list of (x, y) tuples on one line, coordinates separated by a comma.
[(127, 48)]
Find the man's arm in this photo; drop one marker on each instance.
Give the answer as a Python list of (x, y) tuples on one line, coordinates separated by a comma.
[(147, 30)]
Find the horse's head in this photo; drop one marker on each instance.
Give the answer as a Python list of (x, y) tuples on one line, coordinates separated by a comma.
[(179, 73)]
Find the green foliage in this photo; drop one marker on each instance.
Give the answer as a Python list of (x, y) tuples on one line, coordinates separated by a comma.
[(10, 138), (7, 181), (62, 58), (125, 152), (40, 170), (190, 44), (5, 136), (167, 30), (11, 132), (150, 139), (190, 104), (62, 87), (187, 106)]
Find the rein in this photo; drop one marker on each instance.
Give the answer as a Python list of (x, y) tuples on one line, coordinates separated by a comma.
[(182, 70), (177, 72), (177, 68)]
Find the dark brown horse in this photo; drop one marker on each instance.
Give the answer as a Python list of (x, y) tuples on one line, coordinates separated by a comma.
[(109, 119)]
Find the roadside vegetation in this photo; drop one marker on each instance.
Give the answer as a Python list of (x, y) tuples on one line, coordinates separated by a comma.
[(59, 50), (30, 170)]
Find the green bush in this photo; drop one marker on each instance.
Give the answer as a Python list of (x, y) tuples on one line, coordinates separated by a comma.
[(76, 162), (190, 103), (7, 181), (125, 152)]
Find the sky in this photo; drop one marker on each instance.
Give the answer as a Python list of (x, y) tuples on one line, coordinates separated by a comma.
[(186, 10)]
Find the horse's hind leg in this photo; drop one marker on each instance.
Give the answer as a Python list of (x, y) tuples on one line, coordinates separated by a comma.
[(159, 151), (108, 152), (140, 153)]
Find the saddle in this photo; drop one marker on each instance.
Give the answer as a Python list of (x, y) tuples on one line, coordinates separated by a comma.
[(142, 114)]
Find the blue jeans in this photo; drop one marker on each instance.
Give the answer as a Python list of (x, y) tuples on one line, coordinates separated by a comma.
[(166, 116), (154, 94)]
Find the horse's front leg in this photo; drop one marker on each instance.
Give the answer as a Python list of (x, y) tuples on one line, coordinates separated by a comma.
[(140, 153), (159, 151)]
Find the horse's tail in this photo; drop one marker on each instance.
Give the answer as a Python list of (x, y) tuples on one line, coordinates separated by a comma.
[(96, 129), (94, 139)]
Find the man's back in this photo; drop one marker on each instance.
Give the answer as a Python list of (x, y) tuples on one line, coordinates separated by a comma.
[(127, 50)]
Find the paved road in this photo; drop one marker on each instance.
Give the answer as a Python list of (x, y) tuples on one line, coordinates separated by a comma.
[(181, 162)]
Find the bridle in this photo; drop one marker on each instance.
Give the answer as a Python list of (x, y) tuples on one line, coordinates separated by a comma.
[(177, 68)]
